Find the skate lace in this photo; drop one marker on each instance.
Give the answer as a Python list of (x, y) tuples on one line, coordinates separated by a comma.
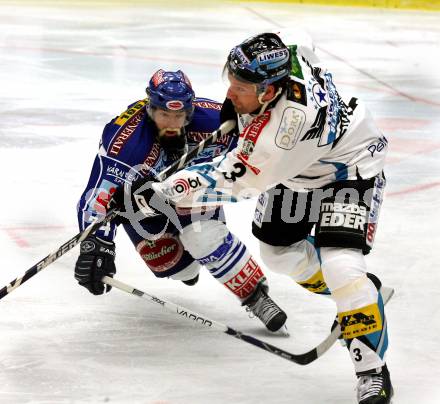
[(369, 385), (264, 308)]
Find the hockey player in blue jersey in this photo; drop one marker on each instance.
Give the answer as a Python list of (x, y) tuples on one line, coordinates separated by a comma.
[(150, 135)]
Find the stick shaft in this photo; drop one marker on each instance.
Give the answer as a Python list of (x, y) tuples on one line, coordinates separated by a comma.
[(225, 127), (301, 359), (49, 259), (169, 306)]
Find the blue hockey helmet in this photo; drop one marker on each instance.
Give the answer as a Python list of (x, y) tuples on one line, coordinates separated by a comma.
[(171, 91), (261, 59)]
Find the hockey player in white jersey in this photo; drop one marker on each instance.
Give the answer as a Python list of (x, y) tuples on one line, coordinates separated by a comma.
[(318, 160)]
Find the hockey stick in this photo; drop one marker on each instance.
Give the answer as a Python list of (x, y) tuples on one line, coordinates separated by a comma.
[(112, 213), (301, 359), (224, 128), (67, 246)]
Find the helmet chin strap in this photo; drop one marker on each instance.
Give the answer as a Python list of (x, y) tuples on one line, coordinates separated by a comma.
[(264, 104)]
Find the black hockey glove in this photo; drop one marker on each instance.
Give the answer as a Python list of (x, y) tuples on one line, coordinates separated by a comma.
[(96, 259), (228, 113)]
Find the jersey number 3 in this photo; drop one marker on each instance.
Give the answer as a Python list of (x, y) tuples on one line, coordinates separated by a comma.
[(239, 171)]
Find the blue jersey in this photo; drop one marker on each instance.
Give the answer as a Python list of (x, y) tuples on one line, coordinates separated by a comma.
[(129, 149)]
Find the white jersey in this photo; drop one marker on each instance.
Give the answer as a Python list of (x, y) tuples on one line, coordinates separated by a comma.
[(306, 139)]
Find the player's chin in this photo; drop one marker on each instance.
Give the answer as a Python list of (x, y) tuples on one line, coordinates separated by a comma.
[(239, 109)]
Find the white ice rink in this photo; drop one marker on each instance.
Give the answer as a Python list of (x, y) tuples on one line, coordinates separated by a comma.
[(67, 70)]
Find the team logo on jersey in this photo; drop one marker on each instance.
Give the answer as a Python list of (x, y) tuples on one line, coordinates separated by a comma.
[(174, 105), (162, 254), (291, 125), (319, 95)]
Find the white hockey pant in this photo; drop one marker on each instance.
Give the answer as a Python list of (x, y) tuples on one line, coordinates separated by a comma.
[(300, 261), (224, 255)]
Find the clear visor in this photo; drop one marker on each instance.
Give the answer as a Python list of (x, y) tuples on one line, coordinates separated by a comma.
[(237, 85)]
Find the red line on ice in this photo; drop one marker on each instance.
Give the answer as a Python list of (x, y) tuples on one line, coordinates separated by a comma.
[(21, 242), (416, 188), (12, 232)]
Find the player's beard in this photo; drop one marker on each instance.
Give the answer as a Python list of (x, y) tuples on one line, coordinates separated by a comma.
[(173, 141)]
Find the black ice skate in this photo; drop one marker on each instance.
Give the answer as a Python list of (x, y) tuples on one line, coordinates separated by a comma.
[(262, 306), (374, 387), (192, 282)]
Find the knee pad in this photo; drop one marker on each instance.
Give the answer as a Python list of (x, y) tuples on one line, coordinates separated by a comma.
[(300, 261), (342, 267), (356, 296)]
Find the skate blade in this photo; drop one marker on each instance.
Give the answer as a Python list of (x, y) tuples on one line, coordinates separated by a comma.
[(342, 342), (283, 332)]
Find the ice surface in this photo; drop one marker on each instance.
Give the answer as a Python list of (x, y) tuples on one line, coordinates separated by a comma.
[(67, 70)]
